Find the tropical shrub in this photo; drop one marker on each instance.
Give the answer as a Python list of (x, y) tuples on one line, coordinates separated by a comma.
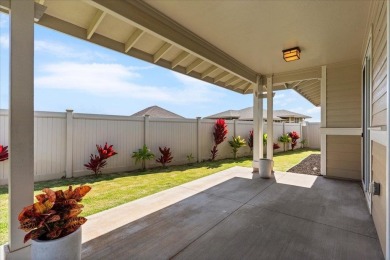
[(143, 155), (276, 146), (166, 156), (294, 137), (236, 143), (55, 215), (265, 136), (285, 139), (98, 162), (3, 153), (190, 158), (220, 132), (250, 140), (303, 143)]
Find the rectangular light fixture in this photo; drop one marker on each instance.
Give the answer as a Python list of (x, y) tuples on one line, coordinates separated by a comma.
[(292, 54)]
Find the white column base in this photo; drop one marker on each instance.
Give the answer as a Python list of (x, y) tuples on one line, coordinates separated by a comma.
[(255, 165), (21, 254)]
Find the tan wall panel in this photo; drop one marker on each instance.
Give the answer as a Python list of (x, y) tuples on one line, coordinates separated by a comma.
[(343, 157), (379, 202), (343, 96), (379, 70), (379, 118)]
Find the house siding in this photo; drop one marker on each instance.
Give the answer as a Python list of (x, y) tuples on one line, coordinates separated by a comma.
[(343, 157), (379, 61), (343, 94), (379, 112), (379, 202)]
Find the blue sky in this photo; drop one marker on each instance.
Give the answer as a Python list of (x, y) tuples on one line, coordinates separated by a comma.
[(71, 73)]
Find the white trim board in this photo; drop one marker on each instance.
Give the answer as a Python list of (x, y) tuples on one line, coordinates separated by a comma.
[(340, 131), (379, 137)]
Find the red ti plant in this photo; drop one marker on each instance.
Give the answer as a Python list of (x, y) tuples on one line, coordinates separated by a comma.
[(97, 162), (294, 137), (166, 156), (276, 146), (3, 153), (220, 132), (250, 140)]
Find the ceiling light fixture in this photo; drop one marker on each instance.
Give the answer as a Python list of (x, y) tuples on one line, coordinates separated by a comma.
[(292, 54)]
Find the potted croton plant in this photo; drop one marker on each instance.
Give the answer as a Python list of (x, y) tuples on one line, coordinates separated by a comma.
[(53, 223)]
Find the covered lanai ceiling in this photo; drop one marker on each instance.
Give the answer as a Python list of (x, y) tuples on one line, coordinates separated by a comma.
[(226, 43)]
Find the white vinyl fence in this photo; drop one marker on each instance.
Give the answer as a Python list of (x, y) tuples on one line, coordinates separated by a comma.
[(311, 133), (65, 141)]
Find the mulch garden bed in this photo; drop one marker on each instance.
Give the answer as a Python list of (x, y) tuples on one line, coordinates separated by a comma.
[(310, 165)]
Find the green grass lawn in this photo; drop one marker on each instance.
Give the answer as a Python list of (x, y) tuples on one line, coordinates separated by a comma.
[(110, 190)]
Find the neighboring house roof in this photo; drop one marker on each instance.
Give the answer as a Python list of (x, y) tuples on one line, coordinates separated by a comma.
[(156, 111), (247, 114)]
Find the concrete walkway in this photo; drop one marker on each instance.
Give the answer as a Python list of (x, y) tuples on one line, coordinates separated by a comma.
[(234, 214)]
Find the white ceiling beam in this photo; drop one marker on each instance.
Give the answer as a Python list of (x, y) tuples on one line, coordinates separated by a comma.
[(298, 75), (221, 76), (158, 55), (293, 85), (181, 57), (142, 15), (208, 71), (97, 19), (194, 65), (247, 87), (134, 37), (306, 83), (39, 9), (239, 84), (232, 80)]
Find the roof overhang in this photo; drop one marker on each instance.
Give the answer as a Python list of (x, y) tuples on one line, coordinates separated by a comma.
[(226, 43)]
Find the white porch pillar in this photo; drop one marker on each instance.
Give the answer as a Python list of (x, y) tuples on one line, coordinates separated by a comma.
[(323, 120), (21, 121), (257, 124), (388, 139), (270, 120)]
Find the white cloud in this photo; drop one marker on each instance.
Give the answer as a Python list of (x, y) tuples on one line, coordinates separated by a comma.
[(4, 41), (314, 111), (116, 80)]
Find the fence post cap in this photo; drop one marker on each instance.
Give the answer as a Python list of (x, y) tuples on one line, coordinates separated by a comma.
[(69, 110)]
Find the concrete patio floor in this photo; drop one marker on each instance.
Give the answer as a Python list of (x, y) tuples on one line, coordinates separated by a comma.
[(234, 214)]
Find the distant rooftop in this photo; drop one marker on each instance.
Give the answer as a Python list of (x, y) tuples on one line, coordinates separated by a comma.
[(247, 114), (156, 111)]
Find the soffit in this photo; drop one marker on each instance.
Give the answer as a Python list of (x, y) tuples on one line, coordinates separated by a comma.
[(226, 43), (256, 32)]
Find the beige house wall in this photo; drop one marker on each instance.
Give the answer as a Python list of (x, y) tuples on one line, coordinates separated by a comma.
[(343, 110), (379, 110), (343, 95), (379, 202), (343, 157)]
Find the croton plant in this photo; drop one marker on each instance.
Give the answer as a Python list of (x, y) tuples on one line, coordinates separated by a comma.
[(54, 215)]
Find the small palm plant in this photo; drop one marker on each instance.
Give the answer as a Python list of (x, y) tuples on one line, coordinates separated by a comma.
[(236, 143), (285, 139), (142, 155)]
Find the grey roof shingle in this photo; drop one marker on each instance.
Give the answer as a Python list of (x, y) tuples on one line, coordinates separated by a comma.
[(247, 114), (156, 111)]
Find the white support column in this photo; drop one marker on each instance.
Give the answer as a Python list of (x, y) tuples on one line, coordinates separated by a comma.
[(261, 122), (69, 143), (323, 120), (257, 124), (270, 120), (146, 134), (256, 129), (21, 122), (198, 138)]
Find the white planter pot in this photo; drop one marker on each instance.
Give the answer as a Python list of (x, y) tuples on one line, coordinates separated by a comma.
[(265, 168), (65, 248)]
